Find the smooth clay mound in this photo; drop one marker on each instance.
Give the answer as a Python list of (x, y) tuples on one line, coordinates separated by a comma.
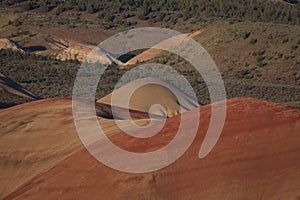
[(153, 52), (257, 157), (36, 136), (150, 94), (71, 50)]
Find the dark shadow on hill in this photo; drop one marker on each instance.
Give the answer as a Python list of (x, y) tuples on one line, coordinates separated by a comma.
[(6, 105), (34, 48), (9, 83), (8, 99), (126, 57)]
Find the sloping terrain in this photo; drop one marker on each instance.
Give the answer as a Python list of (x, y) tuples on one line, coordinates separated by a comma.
[(14, 88), (13, 93), (66, 49), (105, 111), (154, 92), (152, 53), (258, 60), (256, 46), (8, 99), (9, 44), (72, 50), (36, 136), (257, 157)]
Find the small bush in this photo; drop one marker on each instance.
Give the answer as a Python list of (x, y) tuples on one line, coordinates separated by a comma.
[(109, 18), (101, 15), (59, 10), (17, 23), (246, 35), (285, 40), (28, 6), (253, 41), (262, 64), (294, 47), (244, 72), (262, 52), (260, 58)]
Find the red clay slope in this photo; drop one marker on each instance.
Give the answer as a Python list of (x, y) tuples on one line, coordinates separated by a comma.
[(257, 157), (36, 136), (33, 138)]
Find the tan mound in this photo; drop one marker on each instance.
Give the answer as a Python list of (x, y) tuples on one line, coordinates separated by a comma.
[(150, 94), (74, 53), (257, 157), (9, 44), (152, 53), (79, 52), (71, 50), (35, 137)]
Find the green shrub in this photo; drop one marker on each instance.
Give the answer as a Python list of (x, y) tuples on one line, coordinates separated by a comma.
[(262, 64), (285, 40), (17, 23), (260, 58), (246, 35), (28, 5), (253, 41), (294, 47)]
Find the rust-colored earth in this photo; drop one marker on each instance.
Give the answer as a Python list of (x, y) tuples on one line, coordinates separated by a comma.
[(257, 156)]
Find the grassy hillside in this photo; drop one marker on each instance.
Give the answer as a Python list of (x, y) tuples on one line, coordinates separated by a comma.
[(267, 68), (8, 99), (257, 58), (175, 10)]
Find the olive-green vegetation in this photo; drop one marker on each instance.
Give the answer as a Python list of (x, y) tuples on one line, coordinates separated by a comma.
[(173, 10), (52, 78), (245, 82), (267, 69), (47, 77), (256, 44)]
